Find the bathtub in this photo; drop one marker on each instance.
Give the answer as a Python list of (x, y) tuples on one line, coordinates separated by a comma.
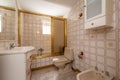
[(92, 75)]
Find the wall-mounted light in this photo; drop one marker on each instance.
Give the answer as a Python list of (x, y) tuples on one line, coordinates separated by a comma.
[(80, 15)]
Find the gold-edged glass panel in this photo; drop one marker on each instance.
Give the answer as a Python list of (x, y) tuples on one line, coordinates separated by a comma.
[(7, 24)]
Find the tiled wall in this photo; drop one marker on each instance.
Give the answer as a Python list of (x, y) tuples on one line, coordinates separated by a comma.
[(99, 46), (8, 34), (32, 32), (8, 24)]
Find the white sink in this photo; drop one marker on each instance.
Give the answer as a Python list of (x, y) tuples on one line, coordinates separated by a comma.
[(16, 50), (92, 75)]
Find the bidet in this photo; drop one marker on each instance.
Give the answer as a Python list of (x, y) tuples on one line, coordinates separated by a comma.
[(93, 75)]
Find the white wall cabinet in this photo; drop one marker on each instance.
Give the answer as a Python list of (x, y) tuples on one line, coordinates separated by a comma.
[(98, 13)]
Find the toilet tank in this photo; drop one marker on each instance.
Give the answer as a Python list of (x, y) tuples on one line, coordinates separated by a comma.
[(68, 53)]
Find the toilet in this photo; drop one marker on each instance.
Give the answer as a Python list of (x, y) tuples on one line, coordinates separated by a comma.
[(63, 61)]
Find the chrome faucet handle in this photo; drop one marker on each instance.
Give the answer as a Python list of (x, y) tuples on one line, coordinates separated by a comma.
[(12, 45)]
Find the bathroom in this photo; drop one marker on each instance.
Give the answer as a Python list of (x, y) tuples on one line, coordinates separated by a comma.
[(22, 24)]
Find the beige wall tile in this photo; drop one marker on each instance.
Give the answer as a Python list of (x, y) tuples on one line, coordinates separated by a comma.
[(99, 45)]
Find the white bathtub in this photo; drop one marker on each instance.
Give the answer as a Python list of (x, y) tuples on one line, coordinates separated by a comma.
[(92, 75)]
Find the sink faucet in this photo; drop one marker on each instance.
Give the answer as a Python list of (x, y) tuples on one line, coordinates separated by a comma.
[(11, 45)]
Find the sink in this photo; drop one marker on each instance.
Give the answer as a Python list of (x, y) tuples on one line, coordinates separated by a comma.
[(19, 48), (15, 50), (92, 75)]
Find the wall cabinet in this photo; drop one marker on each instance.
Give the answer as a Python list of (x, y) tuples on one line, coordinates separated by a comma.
[(98, 13)]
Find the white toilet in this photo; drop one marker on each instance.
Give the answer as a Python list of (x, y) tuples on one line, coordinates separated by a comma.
[(62, 61)]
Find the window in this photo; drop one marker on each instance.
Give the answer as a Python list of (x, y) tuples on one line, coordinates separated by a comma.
[(0, 23), (46, 29)]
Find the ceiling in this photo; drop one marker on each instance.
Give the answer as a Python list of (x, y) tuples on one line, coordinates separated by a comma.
[(8, 3), (50, 7)]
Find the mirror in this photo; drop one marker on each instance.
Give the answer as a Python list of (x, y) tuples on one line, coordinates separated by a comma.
[(35, 31), (45, 33), (7, 20)]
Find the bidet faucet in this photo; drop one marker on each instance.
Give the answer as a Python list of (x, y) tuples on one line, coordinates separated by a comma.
[(107, 73), (96, 68), (11, 45)]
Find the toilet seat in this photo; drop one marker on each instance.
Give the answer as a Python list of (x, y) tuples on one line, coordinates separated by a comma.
[(61, 59), (61, 62)]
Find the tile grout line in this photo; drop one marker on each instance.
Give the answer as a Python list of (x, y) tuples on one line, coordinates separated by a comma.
[(117, 37)]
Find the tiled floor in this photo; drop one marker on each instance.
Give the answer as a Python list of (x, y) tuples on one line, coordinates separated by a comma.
[(53, 74)]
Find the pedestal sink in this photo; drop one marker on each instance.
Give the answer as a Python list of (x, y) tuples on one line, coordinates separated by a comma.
[(15, 63), (16, 50)]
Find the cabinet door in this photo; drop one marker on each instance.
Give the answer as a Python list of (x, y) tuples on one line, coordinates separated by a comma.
[(94, 9)]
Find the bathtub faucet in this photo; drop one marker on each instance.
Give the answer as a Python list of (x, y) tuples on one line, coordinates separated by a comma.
[(41, 50)]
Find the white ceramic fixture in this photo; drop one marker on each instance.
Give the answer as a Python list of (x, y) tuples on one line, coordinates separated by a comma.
[(98, 13), (65, 59), (15, 63), (93, 75)]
